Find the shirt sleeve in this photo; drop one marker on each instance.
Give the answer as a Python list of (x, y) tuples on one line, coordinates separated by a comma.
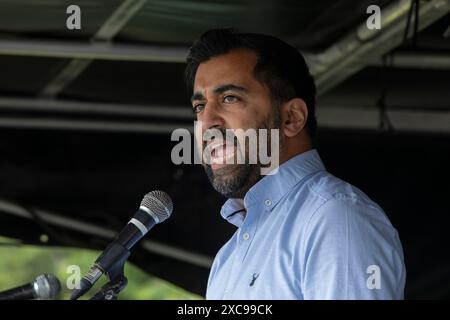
[(351, 251)]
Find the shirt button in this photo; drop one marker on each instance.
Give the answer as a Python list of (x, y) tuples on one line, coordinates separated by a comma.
[(246, 236), (268, 202)]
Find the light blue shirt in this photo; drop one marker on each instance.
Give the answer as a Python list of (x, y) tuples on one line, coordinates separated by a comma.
[(305, 234)]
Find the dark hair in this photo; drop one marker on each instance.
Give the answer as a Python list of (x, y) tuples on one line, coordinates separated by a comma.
[(280, 66)]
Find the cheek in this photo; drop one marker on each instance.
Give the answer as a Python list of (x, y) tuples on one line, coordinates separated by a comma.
[(198, 136), (249, 117), (262, 110)]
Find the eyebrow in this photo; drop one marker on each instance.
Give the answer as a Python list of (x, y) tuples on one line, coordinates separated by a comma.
[(218, 90)]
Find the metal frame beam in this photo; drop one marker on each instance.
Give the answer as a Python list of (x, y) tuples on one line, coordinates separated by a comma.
[(417, 61), (369, 119), (353, 52), (53, 123), (329, 116), (90, 108), (107, 31), (93, 50), (363, 46), (172, 54)]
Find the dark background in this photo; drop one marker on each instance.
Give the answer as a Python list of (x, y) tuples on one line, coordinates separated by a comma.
[(68, 152)]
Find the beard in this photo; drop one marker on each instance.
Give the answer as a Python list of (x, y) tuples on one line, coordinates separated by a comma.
[(234, 180)]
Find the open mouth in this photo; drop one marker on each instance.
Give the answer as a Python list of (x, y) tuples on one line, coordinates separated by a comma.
[(221, 153)]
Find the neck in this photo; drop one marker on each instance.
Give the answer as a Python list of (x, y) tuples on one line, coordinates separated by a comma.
[(288, 150)]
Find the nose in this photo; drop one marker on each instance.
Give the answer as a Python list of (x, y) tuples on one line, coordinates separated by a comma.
[(211, 117)]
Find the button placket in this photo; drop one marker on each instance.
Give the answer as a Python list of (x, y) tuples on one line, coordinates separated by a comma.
[(235, 262), (245, 237), (249, 231)]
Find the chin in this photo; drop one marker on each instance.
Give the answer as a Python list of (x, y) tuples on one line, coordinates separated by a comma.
[(233, 180)]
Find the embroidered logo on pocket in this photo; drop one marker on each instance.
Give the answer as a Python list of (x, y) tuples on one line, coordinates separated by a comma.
[(254, 277)]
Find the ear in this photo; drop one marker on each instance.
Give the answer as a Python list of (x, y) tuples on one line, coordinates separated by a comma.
[(293, 115)]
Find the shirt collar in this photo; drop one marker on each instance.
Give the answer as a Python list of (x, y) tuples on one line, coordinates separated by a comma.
[(271, 188)]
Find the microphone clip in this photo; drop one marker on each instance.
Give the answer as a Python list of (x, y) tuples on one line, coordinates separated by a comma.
[(111, 262), (115, 270), (111, 290)]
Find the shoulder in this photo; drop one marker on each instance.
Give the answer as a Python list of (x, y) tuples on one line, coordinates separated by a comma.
[(339, 213), (344, 237), (325, 203), (341, 200)]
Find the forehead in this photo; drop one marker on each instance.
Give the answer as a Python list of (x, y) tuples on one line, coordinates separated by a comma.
[(235, 67)]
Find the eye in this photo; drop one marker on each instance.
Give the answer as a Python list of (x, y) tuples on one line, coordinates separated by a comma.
[(198, 108), (230, 99)]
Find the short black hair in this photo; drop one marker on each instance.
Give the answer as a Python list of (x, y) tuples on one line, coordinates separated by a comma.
[(280, 66)]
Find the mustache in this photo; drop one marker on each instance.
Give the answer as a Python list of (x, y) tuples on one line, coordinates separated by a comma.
[(226, 135)]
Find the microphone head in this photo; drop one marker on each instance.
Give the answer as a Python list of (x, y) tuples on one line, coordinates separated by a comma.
[(46, 286), (159, 203)]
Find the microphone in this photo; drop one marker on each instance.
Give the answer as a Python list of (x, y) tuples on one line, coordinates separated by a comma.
[(45, 286), (156, 206)]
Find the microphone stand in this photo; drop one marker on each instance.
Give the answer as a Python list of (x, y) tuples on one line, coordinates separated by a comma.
[(117, 280), (111, 290)]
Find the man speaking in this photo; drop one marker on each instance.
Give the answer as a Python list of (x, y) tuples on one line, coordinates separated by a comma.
[(302, 233)]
